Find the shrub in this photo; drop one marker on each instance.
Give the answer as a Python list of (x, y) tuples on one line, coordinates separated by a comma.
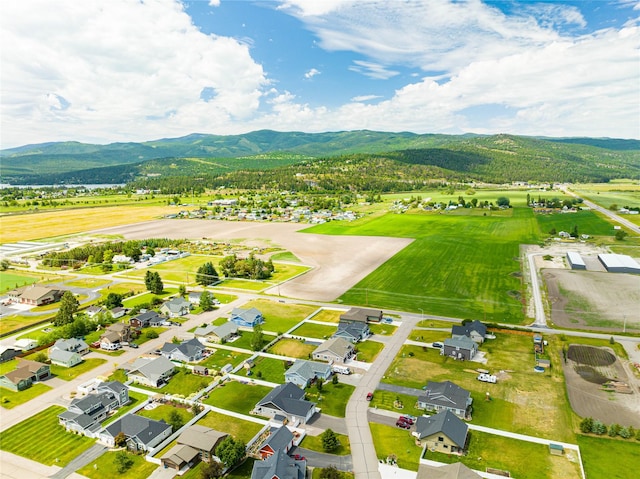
[(586, 425)]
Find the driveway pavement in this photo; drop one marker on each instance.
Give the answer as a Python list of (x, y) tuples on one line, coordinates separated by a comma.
[(400, 389), (324, 421), (320, 459)]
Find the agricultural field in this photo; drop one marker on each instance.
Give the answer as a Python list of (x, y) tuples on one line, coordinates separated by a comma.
[(62, 447), (292, 348), (480, 283), (587, 222)]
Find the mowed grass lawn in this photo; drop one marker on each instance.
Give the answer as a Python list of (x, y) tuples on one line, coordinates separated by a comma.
[(163, 412), (105, 466), (293, 348), (237, 397), (69, 374), (221, 357), (10, 280), (267, 369), (328, 315), (315, 444), (185, 382), (10, 399), (610, 458), (332, 399), (458, 266), (238, 428), (54, 447), (280, 317), (368, 350), (389, 440), (313, 330)]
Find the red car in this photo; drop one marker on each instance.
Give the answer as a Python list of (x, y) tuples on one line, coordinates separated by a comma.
[(403, 424), (406, 419), (369, 396)]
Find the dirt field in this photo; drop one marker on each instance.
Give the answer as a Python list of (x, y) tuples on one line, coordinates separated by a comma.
[(588, 399), (593, 300), (338, 262)]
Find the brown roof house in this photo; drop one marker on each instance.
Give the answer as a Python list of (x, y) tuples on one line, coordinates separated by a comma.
[(442, 432), (25, 374), (362, 315), (114, 335), (36, 295), (457, 470), (196, 442)]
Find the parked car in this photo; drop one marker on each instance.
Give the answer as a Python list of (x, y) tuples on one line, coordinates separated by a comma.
[(406, 419), (369, 396), (133, 345), (298, 457), (437, 345), (403, 424)]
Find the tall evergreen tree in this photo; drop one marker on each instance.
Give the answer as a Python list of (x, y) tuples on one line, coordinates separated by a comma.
[(68, 307), (206, 274)]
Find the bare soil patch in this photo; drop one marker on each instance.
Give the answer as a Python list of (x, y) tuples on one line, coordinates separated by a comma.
[(338, 262), (593, 300), (586, 370)]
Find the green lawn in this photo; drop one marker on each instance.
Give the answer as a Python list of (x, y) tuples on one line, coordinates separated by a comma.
[(134, 399), (458, 266), (238, 428), (293, 348), (181, 270), (285, 256), (249, 285), (315, 444), (10, 399), (105, 466), (237, 397), (244, 341), (69, 374), (332, 399), (185, 383), (426, 336), (163, 412), (61, 446), (389, 440), (284, 271), (221, 357), (328, 316), (317, 472), (269, 369), (313, 330), (610, 458), (383, 329), (387, 400), (280, 317), (10, 280), (369, 350), (87, 283), (587, 222)]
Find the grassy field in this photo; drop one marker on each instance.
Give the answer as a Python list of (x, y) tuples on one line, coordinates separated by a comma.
[(249, 285), (267, 369), (610, 458), (285, 256), (15, 321), (238, 428), (66, 222), (163, 411), (328, 316), (235, 396), (10, 399), (332, 399), (315, 444), (105, 466), (61, 446), (369, 350), (292, 348), (383, 329), (479, 283), (10, 280), (69, 374), (393, 441), (313, 330), (523, 460), (185, 383), (587, 222), (426, 336), (87, 283), (221, 357), (280, 317), (182, 270)]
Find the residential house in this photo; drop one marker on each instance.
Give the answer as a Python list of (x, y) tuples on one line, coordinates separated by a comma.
[(474, 330), (334, 350), (443, 432), (7, 353), (151, 372), (459, 348), (186, 352), (85, 414), (279, 439), (176, 307), (25, 344), (118, 312), (25, 374), (142, 433), (286, 400), (179, 457), (445, 396), (217, 334), (114, 335), (246, 317), (362, 315), (279, 466), (66, 359), (457, 470), (194, 297), (303, 372), (203, 439), (352, 331), (146, 319), (92, 311), (73, 345), (36, 295)]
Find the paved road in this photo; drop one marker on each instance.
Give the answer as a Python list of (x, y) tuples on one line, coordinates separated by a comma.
[(541, 317), (320, 459)]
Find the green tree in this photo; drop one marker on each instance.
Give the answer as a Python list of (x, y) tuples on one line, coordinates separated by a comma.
[(586, 425), (206, 301), (68, 307), (113, 300), (151, 334), (120, 440), (330, 441), (206, 274), (182, 290), (620, 235), (230, 451), (4, 265), (211, 470), (319, 384), (257, 339), (503, 201), (330, 472), (334, 379), (153, 282), (175, 420), (122, 461)]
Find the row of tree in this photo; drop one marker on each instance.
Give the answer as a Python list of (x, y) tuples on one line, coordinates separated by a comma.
[(251, 268), (593, 426)]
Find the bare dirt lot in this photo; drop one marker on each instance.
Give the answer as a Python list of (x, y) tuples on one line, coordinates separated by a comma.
[(589, 399), (338, 262), (593, 300)]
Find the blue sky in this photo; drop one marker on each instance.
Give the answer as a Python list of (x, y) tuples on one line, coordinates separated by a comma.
[(128, 70)]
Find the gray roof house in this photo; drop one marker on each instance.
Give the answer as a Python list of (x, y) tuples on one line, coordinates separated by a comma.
[(457, 470), (142, 433), (279, 439), (352, 331), (73, 344), (217, 334), (443, 432), (196, 442), (146, 319), (459, 348), (474, 330), (7, 353), (176, 307), (336, 350), (279, 466), (66, 359), (187, 351), (302, 372), (445, 396), (151, 372), (362, 315), (287, 400)]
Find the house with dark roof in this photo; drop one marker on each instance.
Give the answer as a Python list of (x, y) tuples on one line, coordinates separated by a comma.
[(286, 400), (154, 372), (279, 439), (25, 374), (246, 317), (334, 350), (442, 432), (279, 466), (146, 319), (176, 307), (352, 331), (186, 352), (445, 396), (459, 348), (142, 433), (303, 372), (362, 315), (475, 330), (457, 470), (7, 353)]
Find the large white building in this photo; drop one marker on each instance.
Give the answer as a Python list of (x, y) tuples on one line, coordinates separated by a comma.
[(619, 263)]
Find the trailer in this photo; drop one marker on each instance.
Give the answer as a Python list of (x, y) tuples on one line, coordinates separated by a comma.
[(341, 369)]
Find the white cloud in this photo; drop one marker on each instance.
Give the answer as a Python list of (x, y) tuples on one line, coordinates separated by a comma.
[(372, 70), (361, 98), (311, 73), (214, 3)]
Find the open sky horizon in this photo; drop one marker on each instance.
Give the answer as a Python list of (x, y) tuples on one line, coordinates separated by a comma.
[(103, 71)]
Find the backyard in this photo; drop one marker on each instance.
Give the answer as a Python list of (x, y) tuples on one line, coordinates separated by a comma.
[(293, 348), (236, 396)]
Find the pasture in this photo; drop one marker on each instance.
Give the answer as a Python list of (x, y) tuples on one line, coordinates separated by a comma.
[(587, 222), (457, 266)]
